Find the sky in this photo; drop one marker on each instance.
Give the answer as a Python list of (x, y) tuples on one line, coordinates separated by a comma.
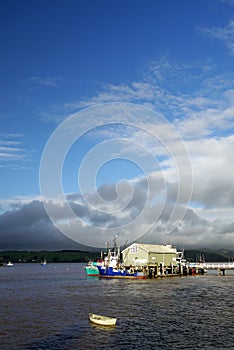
[(116, 119)]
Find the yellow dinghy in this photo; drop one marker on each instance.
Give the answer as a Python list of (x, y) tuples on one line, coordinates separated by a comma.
[(102, 320)]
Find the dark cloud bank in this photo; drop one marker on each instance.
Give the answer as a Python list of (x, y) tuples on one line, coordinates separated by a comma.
[(28, 227)]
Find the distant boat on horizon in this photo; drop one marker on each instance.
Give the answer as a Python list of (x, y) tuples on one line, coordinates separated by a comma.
[(43, 262), (9, 264)]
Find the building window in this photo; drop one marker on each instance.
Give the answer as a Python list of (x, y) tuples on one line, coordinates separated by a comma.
[(133, 249)]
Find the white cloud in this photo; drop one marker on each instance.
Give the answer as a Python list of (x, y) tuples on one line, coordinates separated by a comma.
[(205, 119), (50, 82), (10, 149), (199, 104), (223, 34)]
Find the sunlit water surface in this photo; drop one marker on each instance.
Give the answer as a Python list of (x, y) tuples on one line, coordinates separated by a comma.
[(47, 308)]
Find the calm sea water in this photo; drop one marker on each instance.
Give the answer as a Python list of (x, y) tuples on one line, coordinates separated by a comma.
[(47, 308)]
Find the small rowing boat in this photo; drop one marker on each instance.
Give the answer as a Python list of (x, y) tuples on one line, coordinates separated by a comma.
[(102, 320)]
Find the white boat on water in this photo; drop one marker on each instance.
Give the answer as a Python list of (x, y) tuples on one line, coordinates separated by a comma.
[(44, 262), (102, 320), (9, 264)]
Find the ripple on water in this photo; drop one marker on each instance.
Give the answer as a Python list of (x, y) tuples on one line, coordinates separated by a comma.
[(48, 309)]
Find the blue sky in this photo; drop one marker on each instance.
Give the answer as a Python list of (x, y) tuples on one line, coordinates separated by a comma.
[(173, 58)]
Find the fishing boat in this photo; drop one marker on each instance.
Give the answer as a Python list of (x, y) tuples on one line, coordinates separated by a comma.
[(111, 267), (102, 320), (92, 269)]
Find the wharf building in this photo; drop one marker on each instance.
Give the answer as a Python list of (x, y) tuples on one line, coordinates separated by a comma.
[(155, 260)]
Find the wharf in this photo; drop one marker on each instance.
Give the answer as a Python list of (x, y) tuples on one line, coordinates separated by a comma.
[(221, 267)]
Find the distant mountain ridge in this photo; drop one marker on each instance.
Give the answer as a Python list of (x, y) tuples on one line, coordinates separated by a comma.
[(221, 255)]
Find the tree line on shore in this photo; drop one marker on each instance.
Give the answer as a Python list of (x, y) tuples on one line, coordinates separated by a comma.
[(70, 256), (77, 256)]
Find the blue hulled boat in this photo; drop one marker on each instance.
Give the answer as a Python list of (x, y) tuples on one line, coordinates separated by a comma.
[(111, 267)]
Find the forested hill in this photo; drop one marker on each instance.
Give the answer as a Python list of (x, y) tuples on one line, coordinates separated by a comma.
[(81, 256), (51, 256), (209, 255)]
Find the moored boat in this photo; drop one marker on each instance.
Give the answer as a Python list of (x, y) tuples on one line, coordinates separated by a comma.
[(9, 264), (92, 269), (44, 262), (111, 267), (102, 320), (113, 270), (120, 273)]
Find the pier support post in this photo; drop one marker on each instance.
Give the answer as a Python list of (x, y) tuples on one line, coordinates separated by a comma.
[(221, 272)]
